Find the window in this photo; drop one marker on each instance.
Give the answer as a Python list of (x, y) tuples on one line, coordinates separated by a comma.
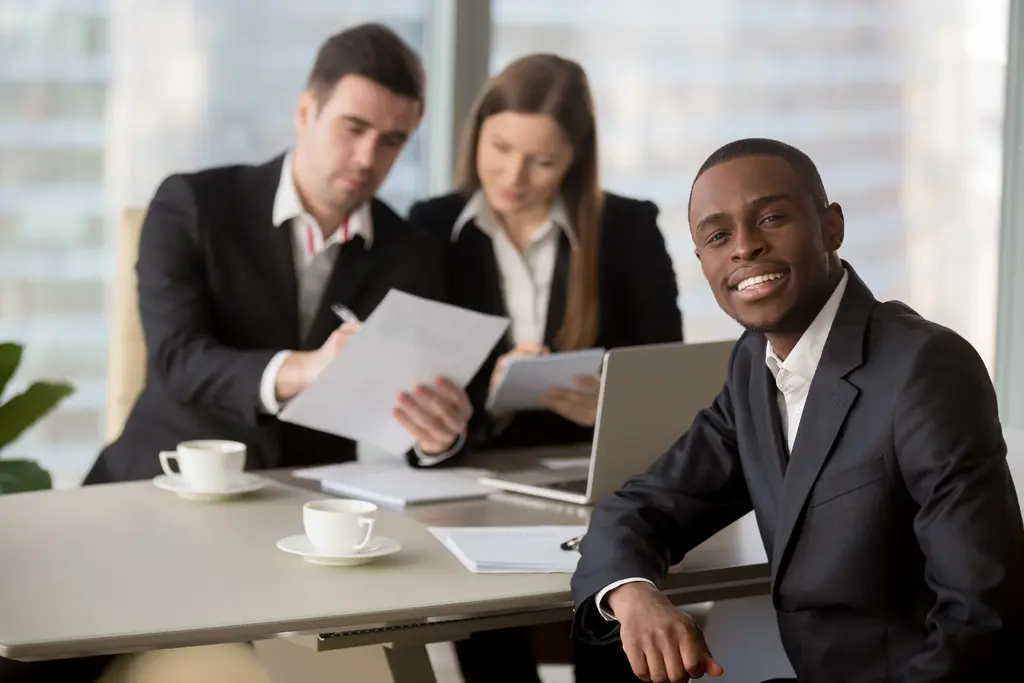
[(898, 102), (98, 102)]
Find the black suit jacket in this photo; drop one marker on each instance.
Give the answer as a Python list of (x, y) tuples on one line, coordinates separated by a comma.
[(218, 297), (637, 301), (893, 530)]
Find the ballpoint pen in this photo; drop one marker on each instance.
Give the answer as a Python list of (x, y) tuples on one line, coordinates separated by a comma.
[(346, 314), (572, 543)]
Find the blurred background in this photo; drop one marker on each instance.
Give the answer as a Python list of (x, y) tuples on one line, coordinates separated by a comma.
[(900, 102)]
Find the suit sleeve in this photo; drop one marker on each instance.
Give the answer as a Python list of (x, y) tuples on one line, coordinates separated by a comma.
[(178, 318), (953, 460), (654, 315), (641, 530)]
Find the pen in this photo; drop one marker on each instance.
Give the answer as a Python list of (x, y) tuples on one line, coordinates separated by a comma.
[(346, 314), (572, 543)]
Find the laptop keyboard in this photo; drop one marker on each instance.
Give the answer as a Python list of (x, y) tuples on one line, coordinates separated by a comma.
[(572, 486)]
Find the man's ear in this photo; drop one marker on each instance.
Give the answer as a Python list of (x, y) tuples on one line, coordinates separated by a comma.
[(833, 227), (306, 110)]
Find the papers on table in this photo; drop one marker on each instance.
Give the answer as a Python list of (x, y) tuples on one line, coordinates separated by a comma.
[(526, 378), (397, 484), (406, 341), (512, 549)]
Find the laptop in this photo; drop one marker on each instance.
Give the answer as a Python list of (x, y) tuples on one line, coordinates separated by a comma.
[(649, 397)]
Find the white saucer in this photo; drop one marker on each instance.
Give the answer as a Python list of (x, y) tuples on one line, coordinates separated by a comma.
[(301, 546), (247, 483)]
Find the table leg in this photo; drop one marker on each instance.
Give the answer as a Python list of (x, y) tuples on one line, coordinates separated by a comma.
[(409, 664), (287, 662)]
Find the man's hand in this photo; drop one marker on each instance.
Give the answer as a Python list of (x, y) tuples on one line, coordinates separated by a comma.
[(434, 415), (662, 643), (526, 349), (302, 367), (578, 404)]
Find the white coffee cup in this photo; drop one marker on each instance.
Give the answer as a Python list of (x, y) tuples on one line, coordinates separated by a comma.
[(337, 526), (207, 465)]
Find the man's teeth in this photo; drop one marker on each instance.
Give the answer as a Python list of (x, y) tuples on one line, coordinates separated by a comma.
[(757, 279)]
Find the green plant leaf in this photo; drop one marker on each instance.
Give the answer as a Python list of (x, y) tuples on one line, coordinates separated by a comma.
[(23, 475), (10, 357), (22, 411)]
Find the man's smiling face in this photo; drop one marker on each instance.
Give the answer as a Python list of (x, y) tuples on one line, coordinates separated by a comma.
[(764, 245)]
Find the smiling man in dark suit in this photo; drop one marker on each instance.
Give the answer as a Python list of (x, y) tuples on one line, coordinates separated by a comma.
[(238, 268), (865, 439)]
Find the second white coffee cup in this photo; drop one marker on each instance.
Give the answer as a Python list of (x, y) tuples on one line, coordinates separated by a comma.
[(337, 526), (207, 465)]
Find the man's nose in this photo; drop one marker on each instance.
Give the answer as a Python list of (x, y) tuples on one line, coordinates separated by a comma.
[(365, 152), (748, 244)]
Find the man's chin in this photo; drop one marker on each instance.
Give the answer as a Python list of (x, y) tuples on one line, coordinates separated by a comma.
[(765, 322)]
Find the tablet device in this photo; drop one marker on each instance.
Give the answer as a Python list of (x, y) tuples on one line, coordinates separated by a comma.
[(526, 378)]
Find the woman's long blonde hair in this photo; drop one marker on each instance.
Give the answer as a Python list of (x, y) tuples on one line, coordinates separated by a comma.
[(556, 87)]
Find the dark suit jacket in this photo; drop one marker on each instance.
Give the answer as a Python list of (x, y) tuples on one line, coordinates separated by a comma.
[(218, 298), (637, 301), (893, 530)]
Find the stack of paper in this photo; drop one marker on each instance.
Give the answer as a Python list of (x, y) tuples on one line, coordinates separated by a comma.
[(397, 484), (512, 549)]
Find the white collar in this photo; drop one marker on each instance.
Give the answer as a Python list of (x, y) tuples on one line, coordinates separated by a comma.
[(287, 206), (479, 208), (803, 360)]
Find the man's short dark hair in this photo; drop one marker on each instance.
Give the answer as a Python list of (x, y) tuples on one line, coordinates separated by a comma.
[(372, 51), (750, 147)]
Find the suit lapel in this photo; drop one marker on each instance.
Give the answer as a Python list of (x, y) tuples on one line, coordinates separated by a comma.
[(350, 270), (354, 264), (273, 245), (828, 402), (479, 285), (767, 422), (557, 296)]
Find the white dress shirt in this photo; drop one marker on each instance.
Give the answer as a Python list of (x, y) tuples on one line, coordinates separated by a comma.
[(314, 261), (793, 378), (525, 276)]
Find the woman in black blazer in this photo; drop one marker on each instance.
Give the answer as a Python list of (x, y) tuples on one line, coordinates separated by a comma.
[(532, 236)]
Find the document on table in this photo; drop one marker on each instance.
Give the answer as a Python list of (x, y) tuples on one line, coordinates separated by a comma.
[(526, 378), (407, 340), (395, 484), (512, 549)]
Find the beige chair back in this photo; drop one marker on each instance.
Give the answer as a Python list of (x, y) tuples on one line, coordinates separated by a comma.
[(127, 360)]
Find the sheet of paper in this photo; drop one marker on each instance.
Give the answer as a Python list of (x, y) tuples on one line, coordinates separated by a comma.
[(406, 341), (512, 549), (397, 484), (526, 378)]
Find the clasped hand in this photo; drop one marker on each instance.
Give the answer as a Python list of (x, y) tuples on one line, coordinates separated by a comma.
[(662, 643)]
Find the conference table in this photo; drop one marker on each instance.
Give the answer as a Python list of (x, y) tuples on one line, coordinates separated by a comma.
[(127, 567)]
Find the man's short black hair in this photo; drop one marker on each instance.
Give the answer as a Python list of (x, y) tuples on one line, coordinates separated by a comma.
[(372, 51), (749, 147)]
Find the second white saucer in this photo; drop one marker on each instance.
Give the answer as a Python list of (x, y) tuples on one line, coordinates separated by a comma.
[(246, 483), (300, 545)]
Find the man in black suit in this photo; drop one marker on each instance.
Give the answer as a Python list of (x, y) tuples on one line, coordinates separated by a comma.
[(866, 440), (238, 268)]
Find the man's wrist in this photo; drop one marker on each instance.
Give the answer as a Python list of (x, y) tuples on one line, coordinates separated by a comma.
[(293, 376), (622, 599)]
